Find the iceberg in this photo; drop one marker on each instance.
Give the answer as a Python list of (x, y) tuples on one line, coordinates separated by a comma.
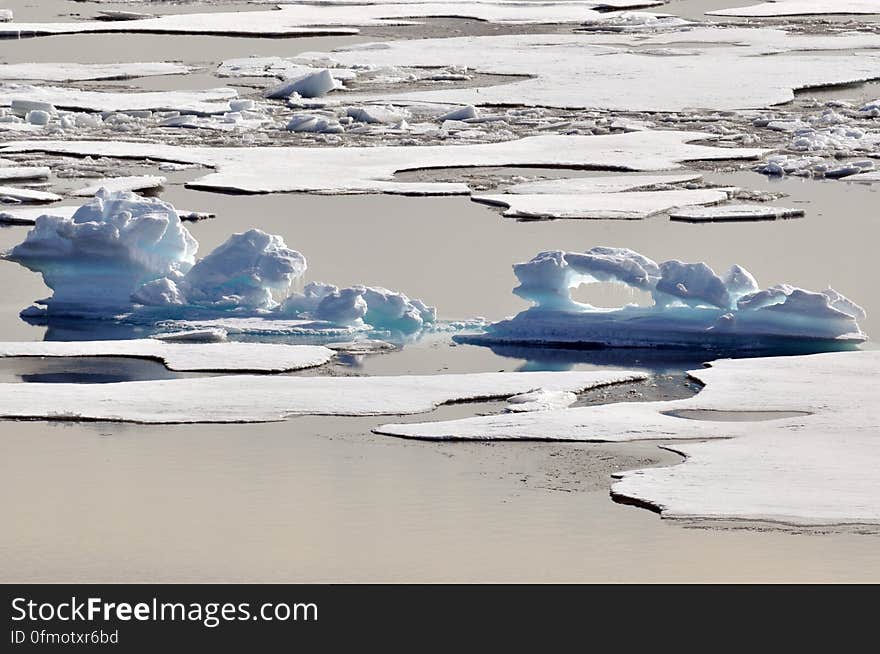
[(123, 256), (692, 307)]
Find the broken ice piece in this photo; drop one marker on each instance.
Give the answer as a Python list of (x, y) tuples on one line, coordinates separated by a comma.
[(734, 212)]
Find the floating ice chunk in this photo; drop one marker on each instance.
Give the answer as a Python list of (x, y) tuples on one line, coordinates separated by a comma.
[(95, 260), (313, 123), (627, 21), (370, 169), (237, 398), (26, 195), (377, 307), (625, 205), (595, 71), (24, 107), (127, 257), (23, 98), (801, 8), (24, 172), (116, 184), (301, 19), (310, 85), (539, 400), (183, 354), (245, 271), (608, 184), (808, 426), (375, 114), (38, 117), (74, 72), (693, 306), (734, 212), (117, 14), (467, 112)]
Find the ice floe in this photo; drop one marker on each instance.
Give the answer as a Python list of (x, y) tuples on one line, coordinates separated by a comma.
[(608, 184), (206, 102), (73, 72), (371, 169), (801, 8), (596, 71), (116, 184), (125, 256), (809, 426), (265, 398), (624, 205), (26, 195), (24, 172), (692, 307), (733, 212), (318, 18), (177, 354)]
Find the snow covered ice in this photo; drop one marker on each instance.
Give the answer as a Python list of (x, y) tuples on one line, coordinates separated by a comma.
[(125, 255), (238, 398), (692, 306), (820, 448)]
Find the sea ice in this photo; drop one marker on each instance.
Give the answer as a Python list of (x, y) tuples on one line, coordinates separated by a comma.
[(309, 85), (122, 255), (732, 212), (596, 71), (73, 72), (607, 184), (24, 172), (26, 195), (801, 8), (238, 398), (814, 464), (693, 307), (371, 169), (115, 184), (624, 205), (314, 19), (180, 355), (206, 102)]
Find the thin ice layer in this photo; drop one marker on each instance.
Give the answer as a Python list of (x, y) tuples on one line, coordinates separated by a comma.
[(270, 398), (371, 169), (183, 356), (814, 464)]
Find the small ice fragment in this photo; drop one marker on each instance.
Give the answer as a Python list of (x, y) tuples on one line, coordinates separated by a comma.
[(311, 85), (462, 113)]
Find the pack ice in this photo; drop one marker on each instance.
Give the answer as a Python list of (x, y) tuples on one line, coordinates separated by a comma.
[(372, 169), (596, 71), (804, 451), (692, 306), (312, 19), (237, 398), (801, 8), (125, 255)]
